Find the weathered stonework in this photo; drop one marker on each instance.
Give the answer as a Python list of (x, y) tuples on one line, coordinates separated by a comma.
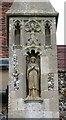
[(62, 93), (31, 22)]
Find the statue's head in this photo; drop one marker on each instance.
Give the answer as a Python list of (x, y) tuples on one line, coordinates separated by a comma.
[(33, 59)]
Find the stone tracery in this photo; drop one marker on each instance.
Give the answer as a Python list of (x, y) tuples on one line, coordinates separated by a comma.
[(32, 27)]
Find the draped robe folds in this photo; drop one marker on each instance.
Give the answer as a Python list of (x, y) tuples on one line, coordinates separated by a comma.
[(33, 76)]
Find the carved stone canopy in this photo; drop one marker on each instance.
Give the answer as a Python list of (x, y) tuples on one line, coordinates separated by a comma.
[(28, 49)]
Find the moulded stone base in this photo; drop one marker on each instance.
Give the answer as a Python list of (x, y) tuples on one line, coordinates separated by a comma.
[(33, 99)]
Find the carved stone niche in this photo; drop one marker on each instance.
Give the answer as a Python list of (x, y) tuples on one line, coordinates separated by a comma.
[(32, 50), (33, 75)]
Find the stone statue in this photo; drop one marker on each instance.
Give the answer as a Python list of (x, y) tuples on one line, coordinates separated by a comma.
[(33, 79)]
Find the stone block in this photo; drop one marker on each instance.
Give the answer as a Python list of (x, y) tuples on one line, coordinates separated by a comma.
[(47, 114), (44, 65), (55, 114), (44, 82), (46, 104), (53, 104)]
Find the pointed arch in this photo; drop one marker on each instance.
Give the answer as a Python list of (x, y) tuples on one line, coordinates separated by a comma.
[(17, 32), (47, 33)]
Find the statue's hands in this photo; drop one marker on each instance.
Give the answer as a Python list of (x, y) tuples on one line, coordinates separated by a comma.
[(33, 67)]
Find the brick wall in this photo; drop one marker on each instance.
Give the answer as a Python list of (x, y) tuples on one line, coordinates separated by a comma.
[(61, 55), (4, 7)]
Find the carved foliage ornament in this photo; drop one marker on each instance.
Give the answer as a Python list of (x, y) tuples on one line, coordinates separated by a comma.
[(32, 27)]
